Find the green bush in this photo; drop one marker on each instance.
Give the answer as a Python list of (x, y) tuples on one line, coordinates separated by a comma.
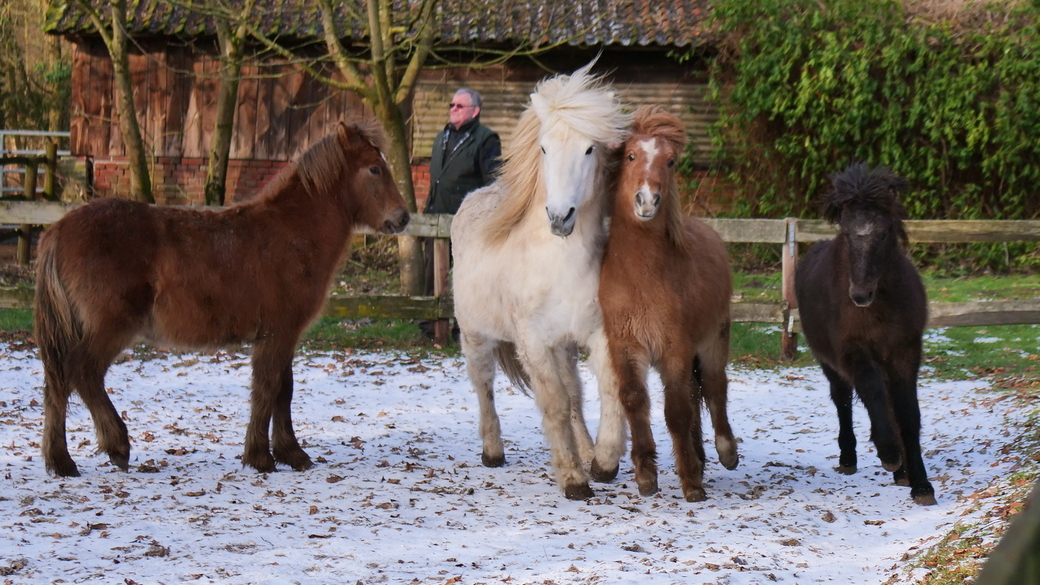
[(953, 104)]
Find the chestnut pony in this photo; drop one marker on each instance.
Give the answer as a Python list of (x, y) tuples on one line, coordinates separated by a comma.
[(665, 292), (863, 309), (258, 272)]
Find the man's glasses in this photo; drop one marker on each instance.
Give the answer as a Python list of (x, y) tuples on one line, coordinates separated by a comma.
[(459, 106)]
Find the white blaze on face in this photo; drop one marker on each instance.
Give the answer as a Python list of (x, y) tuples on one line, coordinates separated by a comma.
[(645, 206), (865, 229), (649, 146)]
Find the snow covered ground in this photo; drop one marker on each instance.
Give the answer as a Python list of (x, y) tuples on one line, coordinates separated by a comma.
[(398, 494)]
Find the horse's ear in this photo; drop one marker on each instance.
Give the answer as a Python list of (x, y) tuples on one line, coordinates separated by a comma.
[(343, 134), (351, 136)]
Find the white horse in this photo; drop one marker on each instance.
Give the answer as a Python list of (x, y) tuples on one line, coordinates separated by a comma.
[(526, 285)]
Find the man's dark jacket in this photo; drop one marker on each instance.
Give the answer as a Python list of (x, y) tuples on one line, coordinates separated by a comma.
[(462, 160)]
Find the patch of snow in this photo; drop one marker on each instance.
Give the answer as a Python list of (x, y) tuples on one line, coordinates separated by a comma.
[(398, 494)]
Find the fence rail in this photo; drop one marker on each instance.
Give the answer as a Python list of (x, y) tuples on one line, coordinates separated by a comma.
[(787, 232), (22, 161)]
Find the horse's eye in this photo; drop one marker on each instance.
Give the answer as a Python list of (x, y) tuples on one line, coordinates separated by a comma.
[(374, 170), (671, 163), (589, 151), (543, 150), (631, 156)]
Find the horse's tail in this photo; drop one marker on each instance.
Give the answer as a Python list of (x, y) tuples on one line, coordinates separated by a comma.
[(57, 326), (509, 361)]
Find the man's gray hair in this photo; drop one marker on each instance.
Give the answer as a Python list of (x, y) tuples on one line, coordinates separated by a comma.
[(474, 95)]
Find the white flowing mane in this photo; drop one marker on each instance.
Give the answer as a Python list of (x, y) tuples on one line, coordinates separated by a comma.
[(581, 102)]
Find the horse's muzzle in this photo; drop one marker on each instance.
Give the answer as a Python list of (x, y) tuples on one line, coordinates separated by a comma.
[(646, 204), (562, 226), (862, 296), (396, 223)]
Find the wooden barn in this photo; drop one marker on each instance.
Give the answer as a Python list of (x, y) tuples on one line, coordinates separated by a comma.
[(281, 110)]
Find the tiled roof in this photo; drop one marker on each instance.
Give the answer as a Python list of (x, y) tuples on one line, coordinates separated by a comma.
[(674, 23)]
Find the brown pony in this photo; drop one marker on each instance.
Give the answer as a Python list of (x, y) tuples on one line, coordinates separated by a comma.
[(665, 292), (258, 272)]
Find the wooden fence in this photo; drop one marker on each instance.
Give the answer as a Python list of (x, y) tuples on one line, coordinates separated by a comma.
[(788, 233), (29, 166)]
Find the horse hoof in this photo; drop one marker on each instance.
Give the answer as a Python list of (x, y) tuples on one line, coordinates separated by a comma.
[(846, 469), (488, 461), (64, 468), (649, 487), (730, 461), (602, 475), (301, 463), (120, 460), (925, 500), (902, 481), (260, 463), (892, 466), (695, 494), (297, 459), (578, 491)]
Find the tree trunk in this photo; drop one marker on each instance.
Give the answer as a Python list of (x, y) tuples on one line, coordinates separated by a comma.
[(220, 148), (410, 254), (129, 126), (54, 115)]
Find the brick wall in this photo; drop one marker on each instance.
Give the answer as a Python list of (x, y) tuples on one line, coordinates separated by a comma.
[(421, 181)]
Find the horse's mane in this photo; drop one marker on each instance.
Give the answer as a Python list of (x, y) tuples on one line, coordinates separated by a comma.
[(581, 102), (657, 122), (875, 189), (321, 165)]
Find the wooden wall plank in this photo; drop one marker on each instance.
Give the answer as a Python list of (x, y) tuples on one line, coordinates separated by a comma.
[(302, 102), (101, 109), (210, 91), (244, 139), (318, 121), (79, 127), (181, 84), (158, 100), (264, 102), (273, 141), (193, 117)]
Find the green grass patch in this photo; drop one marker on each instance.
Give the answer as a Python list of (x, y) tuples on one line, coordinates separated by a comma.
[(12, 320), (1011, 287), (966, 352), (337, 333), (757, 288), (766, 287)]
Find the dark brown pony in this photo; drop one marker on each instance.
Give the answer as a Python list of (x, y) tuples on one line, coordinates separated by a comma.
[(665, 292), (258, 272), (863, 310)]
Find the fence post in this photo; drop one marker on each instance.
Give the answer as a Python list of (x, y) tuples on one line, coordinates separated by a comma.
[(441, 329), (788, 262), (52, 171), (25, 231)]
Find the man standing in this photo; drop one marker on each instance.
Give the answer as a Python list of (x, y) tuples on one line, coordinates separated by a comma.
[(465, 156)]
